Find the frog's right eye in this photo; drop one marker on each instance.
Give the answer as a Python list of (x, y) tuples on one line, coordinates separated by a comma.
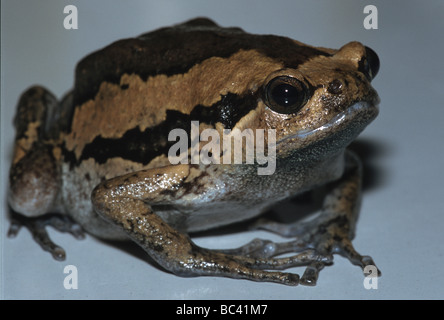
[(373, 62), (286, 94)]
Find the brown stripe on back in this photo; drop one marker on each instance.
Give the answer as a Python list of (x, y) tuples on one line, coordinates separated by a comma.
[(175, 50), (142, 146), (133, 103)]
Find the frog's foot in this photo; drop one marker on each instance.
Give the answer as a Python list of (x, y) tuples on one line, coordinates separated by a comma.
[(334, 241), (37, 227), (325, 237), (307, 256), (207, 262)]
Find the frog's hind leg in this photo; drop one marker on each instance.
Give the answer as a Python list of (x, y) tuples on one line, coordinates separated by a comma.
[(34, 174), (329, 233), (128, 202)]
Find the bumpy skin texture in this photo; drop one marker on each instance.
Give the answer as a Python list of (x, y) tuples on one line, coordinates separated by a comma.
[(99, 158)]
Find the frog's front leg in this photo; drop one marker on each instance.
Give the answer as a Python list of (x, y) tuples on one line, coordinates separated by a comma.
[(329, 233), (128, 201)]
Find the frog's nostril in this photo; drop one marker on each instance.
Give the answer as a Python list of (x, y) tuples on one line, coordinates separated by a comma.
[(373, 62)]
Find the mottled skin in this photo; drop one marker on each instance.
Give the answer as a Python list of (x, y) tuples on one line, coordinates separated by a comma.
[(99, 157)]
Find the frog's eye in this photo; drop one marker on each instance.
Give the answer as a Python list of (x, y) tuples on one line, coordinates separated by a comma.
[(286, 94), (370, 64)]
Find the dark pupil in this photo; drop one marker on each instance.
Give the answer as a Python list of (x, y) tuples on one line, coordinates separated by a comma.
[(285, 94)]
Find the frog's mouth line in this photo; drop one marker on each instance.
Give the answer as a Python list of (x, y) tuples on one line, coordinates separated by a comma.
[(358, 116)]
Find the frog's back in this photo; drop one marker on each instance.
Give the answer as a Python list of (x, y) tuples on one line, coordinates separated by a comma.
[(130, 94), (174, 50)]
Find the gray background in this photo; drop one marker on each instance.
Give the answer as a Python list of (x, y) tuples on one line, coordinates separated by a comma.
[(401, 222)]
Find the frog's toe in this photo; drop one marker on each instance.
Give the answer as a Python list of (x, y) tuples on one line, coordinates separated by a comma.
[(310, 276), (335, 241), (346, 249), (313, 260), (37, 228), (205, 262)]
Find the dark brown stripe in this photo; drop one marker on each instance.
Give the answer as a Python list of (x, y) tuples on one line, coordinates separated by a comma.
[(144, 146), (175, 50)]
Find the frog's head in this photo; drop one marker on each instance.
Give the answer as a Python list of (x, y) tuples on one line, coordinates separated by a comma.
[(328, 98)]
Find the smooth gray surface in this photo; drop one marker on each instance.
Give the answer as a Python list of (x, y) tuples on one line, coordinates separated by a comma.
[(401, 223)]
